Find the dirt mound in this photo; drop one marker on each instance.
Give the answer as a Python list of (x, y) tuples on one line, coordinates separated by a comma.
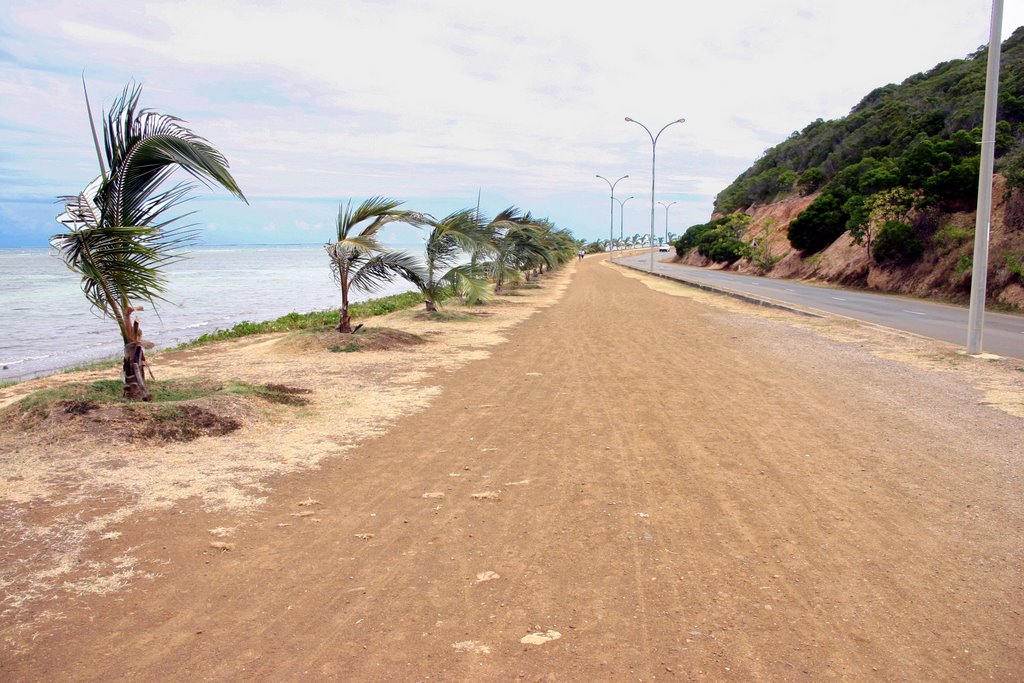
[(184, 423), (372, 339), (160, 422), (129, 422)]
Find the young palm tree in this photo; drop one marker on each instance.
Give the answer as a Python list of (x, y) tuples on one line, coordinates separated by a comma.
[(513, 240), (118, 235), (359, 261), (449, 239)]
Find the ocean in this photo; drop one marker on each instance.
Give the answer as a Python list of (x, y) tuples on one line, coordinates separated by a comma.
[(46, 323)]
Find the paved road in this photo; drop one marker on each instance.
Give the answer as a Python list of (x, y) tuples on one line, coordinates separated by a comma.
[(1003, 335)]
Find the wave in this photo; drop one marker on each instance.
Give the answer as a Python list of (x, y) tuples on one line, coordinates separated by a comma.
[(26, 359)]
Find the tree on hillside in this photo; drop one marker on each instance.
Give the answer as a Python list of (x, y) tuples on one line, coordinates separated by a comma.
[(869, 214), (358, 259), (118, 235), (819, 224), (920, 134)]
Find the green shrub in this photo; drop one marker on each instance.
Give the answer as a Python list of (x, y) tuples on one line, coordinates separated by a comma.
[(819, 224), (811, 179), (718, 240), (726, 249), (1015, 263), (949, 237), (897, 243)]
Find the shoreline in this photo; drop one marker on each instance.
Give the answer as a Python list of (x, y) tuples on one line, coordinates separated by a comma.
[(284, 323), (48, 325)]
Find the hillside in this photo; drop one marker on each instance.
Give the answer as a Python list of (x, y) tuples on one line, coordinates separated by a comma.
[(885, 197)]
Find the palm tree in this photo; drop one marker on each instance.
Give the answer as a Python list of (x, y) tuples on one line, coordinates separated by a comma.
[(359, 261), (514, 240), (118, 236), (449, 240)]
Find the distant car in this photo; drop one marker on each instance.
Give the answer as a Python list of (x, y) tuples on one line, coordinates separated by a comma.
[(663, 247)]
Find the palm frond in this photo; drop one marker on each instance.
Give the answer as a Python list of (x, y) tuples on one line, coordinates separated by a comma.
[(143, 148), (118, 235), (382, 269), (468, 283), (379, 211)]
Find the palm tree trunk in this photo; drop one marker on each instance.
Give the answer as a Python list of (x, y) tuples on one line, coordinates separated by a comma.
[(345, 322), (133, 367), (134, 370), (431, 306)]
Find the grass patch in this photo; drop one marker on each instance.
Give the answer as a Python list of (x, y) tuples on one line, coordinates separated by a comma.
[(307, 321), (104, 364), (1015, 263), (7, 383), (951, 236)]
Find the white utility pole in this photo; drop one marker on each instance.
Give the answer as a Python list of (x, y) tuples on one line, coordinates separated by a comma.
[(983, 219)]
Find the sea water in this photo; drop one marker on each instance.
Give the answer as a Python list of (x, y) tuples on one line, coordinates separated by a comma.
[(46, 323)]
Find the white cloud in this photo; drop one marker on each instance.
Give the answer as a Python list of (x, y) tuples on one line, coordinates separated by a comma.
[(435, 99)]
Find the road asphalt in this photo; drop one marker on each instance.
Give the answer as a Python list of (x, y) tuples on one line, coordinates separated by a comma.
[(1003, 334)]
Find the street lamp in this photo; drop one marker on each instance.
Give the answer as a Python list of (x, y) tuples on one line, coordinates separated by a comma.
[(666, 218), (654, 149), (622, 204), (611, 208)]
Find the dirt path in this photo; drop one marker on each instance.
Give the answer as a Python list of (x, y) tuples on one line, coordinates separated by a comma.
[(661, 488)]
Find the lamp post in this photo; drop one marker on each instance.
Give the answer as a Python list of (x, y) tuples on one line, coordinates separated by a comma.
[(654, 151), (611, 208), (983, 217), (622, 204), (666, 218)]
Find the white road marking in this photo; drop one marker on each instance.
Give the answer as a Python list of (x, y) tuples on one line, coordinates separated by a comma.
[(914, 312), (838, 298)]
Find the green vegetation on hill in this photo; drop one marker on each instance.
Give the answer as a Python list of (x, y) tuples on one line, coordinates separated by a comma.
[(921, 135), (718, 240)]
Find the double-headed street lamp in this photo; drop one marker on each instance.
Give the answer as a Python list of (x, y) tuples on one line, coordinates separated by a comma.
[(611, 208), (654, 150), (622, 204), (666, 218)]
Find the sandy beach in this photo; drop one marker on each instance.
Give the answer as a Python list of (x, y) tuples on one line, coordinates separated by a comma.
[(603, 477)]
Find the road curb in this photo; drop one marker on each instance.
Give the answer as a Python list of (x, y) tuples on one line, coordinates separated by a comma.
[(749, 298)]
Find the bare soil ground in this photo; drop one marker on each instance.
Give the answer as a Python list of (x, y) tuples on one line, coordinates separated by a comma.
[(608, 478)]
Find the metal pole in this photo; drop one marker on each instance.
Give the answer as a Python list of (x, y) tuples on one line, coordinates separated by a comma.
[(622, 205), (611, 208), (666, 217), (654, 148), (983, 218), (654, 152)]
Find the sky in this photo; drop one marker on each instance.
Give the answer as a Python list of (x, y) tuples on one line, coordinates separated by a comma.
[(433, 102)]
